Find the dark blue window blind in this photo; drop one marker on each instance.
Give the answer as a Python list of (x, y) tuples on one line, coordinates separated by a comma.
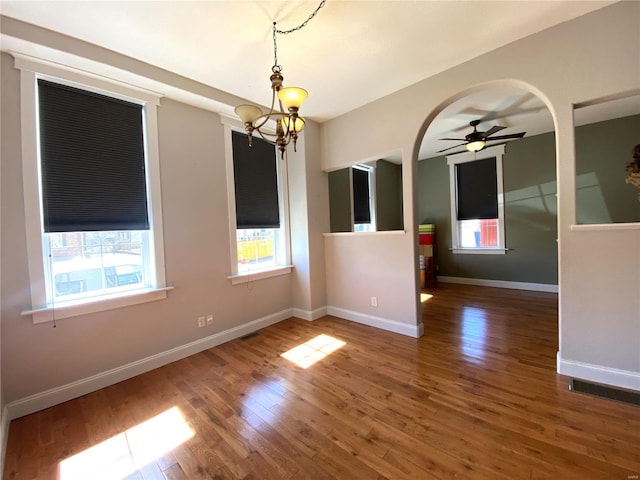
[(92, 161), (361, 204), (477, 189), (256, 183)]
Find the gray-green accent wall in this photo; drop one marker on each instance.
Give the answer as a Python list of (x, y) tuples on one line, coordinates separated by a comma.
[(340, 201), (530, 216), (388, 196), (602, 196), (602, 151)]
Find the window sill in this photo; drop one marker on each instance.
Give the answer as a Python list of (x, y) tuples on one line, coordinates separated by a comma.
[(604, 226), (377, 233), (482, 251), (246, 277), (96, 304)]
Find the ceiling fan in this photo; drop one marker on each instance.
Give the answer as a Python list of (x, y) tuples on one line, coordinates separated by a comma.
[(476, 140)]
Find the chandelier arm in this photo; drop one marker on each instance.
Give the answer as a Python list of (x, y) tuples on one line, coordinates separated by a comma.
[(277, 140), (265, 135), (269, 114)]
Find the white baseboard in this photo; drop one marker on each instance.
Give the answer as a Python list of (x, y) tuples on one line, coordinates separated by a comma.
[(81, 387), (310, 315), (599, 374), (536, 287), (415, 331), (4, 435)]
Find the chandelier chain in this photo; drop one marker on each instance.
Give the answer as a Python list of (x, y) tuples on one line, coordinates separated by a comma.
[(278, 68), (303, 24)]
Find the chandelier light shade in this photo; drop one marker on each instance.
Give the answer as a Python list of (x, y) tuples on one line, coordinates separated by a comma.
[(292, 124), (282, 123), (248, 113), (292, 97)]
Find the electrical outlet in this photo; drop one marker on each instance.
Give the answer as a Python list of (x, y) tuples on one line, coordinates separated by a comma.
[(374, 301), (209, 319), (201, 322)]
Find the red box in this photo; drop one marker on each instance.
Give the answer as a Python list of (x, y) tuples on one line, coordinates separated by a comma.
[(426, 238)]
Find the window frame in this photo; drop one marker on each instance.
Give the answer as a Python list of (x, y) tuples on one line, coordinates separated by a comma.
[(41, 310), (283, 262), (453, 160), (371, 172)]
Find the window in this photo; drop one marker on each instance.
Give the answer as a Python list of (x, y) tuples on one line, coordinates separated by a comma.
[(88, 264), (477, 206), (91, 185), (363, 204), (352, 199), (256, 177)]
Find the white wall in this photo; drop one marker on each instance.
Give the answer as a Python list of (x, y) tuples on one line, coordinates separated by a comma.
[(587, 58), (593, 56), (380, 265), (309, 200), (43, 365), (4, 422), (197, 258)]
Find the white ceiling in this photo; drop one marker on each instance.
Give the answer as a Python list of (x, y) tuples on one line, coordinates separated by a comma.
[(350, 54)]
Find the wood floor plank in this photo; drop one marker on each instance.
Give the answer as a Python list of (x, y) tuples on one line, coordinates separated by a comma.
[(477, 397), (175, 472)]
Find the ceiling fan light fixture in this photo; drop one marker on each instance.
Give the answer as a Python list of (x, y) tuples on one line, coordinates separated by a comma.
[(476, 146), (476, 141)]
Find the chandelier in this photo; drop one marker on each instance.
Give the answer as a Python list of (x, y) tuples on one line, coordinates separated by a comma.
[(284, 111)]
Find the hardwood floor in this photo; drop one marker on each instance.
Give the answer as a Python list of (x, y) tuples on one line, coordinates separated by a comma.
[(477, 398)]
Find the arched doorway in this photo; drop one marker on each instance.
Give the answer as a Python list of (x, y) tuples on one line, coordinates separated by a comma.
[(527, 257)]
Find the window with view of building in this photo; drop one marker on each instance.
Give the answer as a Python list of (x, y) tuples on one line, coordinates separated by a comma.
[(260, 229), (86, 264), (90, 172), (477, 207)]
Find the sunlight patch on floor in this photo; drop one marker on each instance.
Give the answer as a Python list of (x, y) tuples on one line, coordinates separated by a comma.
[(310, 352), (425, 296), (474, 332), (123, 454)]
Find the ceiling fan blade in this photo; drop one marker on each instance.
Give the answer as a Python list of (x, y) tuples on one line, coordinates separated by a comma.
[(458, 139), (505, 137), (492, 130), (450, 148)]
